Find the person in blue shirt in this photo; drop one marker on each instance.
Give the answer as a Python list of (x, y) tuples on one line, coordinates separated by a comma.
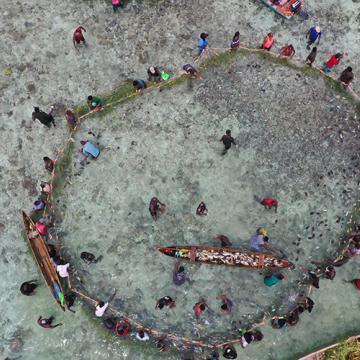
[(89, 149), (192, 71), (203, 43), (313, 34), (259, 241), (273, 279), (139, 85)]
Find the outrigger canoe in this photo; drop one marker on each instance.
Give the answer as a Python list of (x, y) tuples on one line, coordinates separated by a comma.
[(350, 349), (225, 256), (285, 8), (41, 254)]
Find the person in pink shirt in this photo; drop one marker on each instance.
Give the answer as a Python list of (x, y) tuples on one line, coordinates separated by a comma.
[(116, 4), (268, 42)]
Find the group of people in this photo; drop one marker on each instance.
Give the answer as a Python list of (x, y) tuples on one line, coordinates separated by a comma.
[(258, 242), (313, 36), (288, 51)]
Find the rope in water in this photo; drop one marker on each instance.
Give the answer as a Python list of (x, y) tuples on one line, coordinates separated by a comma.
[(49, 205), (176, 338)]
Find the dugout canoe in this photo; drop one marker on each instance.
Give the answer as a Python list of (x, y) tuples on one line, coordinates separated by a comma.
[(225, 256), (285, 8), (353, 353), (42, 257)]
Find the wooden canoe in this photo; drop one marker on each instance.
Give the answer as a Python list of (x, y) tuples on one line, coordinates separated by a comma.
[(285, 8), (320, 354), (225, 256), (41, 254)]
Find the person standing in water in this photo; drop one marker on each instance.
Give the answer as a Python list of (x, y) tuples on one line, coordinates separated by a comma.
[(270, 203), (201, 209), (227, 140), (43, 117), (258, 242), (347, 76), (156, 208), (94, 103), (271, 280), (71, 119), (235, 42), (313, 34), (27, 288), (89, 149), (203, 43), (312, 56), (199, 308), (268, 42), (78, 37), (101, 306), (142, 335), (229, 352), (226, 305), (192, 71), (154, 74), (47, 323), (165, 301), (179, 275), (333, 61), (287, 51), (49, 164)]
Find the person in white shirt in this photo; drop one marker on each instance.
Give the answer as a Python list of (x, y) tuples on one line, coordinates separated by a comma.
[(62, 268), (142, 335), (101, 308)]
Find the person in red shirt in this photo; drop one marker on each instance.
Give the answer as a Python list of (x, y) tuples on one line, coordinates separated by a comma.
[(199, 308), (287, 51), (269, 203), (356, 282), (41, 227), (78, 36), (333, 61)]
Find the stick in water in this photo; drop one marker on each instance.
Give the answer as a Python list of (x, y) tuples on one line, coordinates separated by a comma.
[(112, 297)]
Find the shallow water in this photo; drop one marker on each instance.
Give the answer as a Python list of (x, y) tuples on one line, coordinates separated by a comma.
[(141, 158), (46, 71)]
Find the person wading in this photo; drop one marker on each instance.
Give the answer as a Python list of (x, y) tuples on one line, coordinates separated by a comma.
[(47, 323), (43, 117), (27, 288), (78, 37), (227, 140)]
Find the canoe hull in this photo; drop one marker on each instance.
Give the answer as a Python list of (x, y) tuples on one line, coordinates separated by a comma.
[(283, 10), (225, 256), (39, 249)]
